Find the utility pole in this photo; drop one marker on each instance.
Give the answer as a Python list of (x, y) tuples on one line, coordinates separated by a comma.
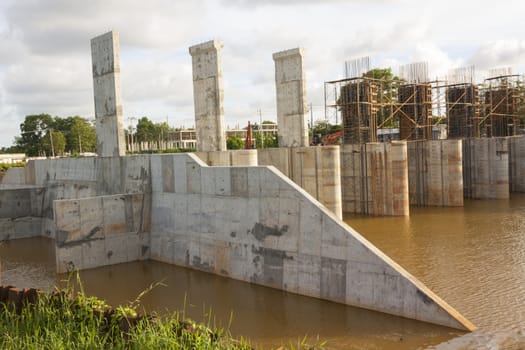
[(260, 129), (51, 139), (79, 144), (311, 122)]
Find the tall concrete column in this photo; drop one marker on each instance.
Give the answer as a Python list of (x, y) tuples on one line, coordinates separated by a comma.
[(208, 96), (291, 98), (108, 101)]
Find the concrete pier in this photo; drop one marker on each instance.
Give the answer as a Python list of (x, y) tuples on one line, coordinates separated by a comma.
[(486, 168), (374, 179), (208, 96), (517, 163), (108, 100), (291, 98), (435, 173)]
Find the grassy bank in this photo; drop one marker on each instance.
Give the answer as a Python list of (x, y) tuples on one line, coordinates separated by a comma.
[(62, 321)]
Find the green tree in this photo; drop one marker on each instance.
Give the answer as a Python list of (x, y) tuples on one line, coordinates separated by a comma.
[(387, 95), (53, 142), (82, 136), (145, 130), (32, 130), (234, 142), (269, 140)]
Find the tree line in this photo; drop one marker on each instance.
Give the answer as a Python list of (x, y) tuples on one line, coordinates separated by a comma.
[(44, 135)]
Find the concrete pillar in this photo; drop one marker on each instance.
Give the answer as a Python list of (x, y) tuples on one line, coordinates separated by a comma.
[(517, 163), (435, 173), (291, 98), (106, 89), (208, 96), (486, 168), (243, 157), (317, 170), (374, 179)]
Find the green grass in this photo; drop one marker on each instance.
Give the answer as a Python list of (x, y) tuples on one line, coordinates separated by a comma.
[(62, 321)]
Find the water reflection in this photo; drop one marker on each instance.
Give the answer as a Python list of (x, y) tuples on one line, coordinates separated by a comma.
[(267, 316), (473, 257)]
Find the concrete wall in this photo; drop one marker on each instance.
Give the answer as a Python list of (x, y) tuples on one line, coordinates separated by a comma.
[(517, 163), (20, 212), (208, 96), (486, 168), (229, 158), (70, 178), (254, 224), (100, 231), (374, 179), (316, 169), (291, 98), (106, 88), (435, 173)]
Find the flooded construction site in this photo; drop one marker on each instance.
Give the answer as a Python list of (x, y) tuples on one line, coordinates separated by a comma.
[(471, 256), (403, 234)]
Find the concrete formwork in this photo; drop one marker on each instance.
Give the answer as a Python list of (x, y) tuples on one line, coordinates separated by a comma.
[(374, 179), (486, 168), (106, 89), (315, 169), (256, 225), (517, 163), (435, 173), (208, 96), (291, 98)]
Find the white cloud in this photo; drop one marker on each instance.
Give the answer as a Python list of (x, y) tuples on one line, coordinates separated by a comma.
[(499, 53), (45, 52)]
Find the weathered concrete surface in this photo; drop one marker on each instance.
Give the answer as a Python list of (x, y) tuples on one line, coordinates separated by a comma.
[(108, 100), (69, 178), (21, 212), (208, 96), (316, 169), (99, 231), (517, 163), (229, 158), (435, 173), (486, 168), (291, 98), (374, 179), (254, 224)]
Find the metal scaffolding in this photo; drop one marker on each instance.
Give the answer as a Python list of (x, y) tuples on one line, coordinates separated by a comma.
[(502, 105)]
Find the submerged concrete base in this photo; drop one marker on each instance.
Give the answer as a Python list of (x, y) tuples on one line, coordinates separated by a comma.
[(486, 168), (435, 173), (375, 179)]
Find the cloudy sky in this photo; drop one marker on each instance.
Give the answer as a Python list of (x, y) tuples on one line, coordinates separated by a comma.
[(45, 58)]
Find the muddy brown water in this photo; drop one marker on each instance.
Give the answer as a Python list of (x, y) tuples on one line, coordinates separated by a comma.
[(473, 257)]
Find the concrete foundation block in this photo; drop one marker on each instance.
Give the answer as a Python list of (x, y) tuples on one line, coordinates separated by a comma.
[(7, 229), (27, 227), (114, 215), (243, 157), (68, 259), (193, 177), (310, 228), (116, 250), (93, 254), (333, 279), (91, 217), (179, 164)]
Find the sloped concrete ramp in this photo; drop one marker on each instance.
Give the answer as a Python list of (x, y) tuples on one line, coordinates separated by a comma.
[(256, 225)]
